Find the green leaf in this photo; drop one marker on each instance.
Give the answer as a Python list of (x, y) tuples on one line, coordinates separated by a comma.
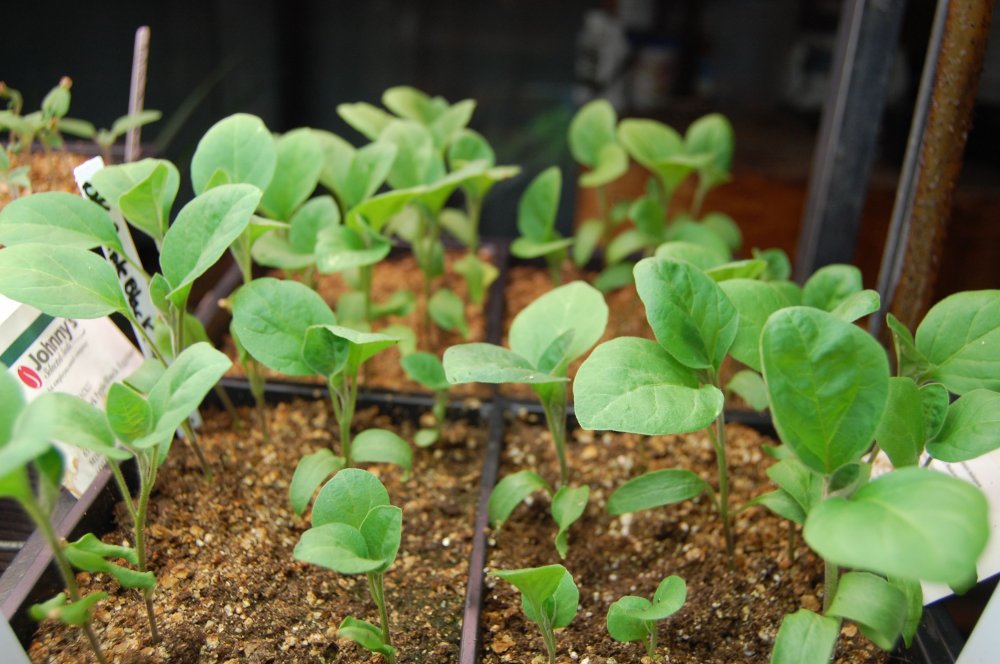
[(633, 385), (296, 173), (971, 427), (418, 160), (653, 144), (181, 388), (612, 163), (614, 277), (450, 122), (690, 315), (486, 363), (901, 432), (203, 230), (399, 303), (831, 285), (448, 311), (61, 281), (382, 446), (89, 560), (576, 307), (801, 484), (348, 498), (271, 317), (630, 241), (749, 386), (548, 593), (129, 415), (523, 247), (147, 205), (69, 419), (355, 176), (872, 602), (69, 613), (479, 275), (314, 215), (511, 491), (754, 301), (655, 489), (362, 345), (311, 471), (591, 129), (121, 125), (468, 146), (668, 599), (426, 369), (914, 594), (240, 146), (702, 257), (367, 119), (779, 268), (536, 210), (805, 638), (340, 248), (413, 104), (273, 249), (934, 402), (586, 239), (382, 530), (366, 635), (56, 218), (724, 226), (336, 546), (623, 625), (568, 505), (960, 337), (912, 522), (857, 305), (781, 503), (829, 383)]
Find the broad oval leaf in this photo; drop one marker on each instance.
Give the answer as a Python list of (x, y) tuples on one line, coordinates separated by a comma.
[(299, 161), (548, 593), (337, 546), (366, 635), (971, 428), (576, 307), (61, 281), (857, 305), (367, 119), (912, 522), (805, 638), (536, 209), (511, 491), (128, 414), (426, 369), (830, 285), (591, 129), (612, 163), (487, 363), (702, 257), (382, 530), (633, 385), (960, 337), (310, 472), (623, 625), (690, 315), (448, 310), (271, 317), (828, 382), (901, 432), (727, 229), (382, 446), (656, 489), (348, 497), (873, 603), (203, 230), (754, 301), (668, 599), (749, 386), (57, 218), (340, 248), (240, 146), (568, 505)]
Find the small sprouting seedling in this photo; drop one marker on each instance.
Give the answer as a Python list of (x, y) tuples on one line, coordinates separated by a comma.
[(549, 598), (545, 338), (42, 125), (536, 223), (426, 369), (633, 618), (287, 327), (16, 180), (832, 399), (356, 531)]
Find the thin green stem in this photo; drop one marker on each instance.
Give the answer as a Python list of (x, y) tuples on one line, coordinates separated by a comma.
[(365, 274), (554, 405), (718, 436), (549, 637), (377, 591), (116, 472), (831, 577), (651, 643), (32, 508), (148, 468), (698, 200), (344, 397)]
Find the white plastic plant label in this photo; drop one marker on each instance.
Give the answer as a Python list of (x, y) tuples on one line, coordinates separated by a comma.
[(81, 357), (133, 282)]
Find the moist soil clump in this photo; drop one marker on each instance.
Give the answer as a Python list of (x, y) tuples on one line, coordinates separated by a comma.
[(732, 613), (228, 588)]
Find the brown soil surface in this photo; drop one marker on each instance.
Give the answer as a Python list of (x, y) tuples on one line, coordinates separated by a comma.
[(731, 614), (229, 589), (50, 171), (400, 271)]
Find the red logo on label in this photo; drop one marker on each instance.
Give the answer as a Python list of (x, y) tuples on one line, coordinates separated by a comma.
[(29, 377)]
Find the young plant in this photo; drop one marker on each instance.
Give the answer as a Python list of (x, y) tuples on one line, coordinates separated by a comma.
[(633, 618), (427, 369), (355, 530), (536, 223), (549, 598), (287, 327), (43, 125), (26, 432), (545, 338), (831, 397)]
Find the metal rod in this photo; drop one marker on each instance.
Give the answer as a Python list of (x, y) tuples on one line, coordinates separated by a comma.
[(137, 90), (933, 162)]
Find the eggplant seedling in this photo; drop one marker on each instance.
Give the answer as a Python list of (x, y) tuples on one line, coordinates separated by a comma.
[(355, 530), (426, 369), (536, 223), (545, 338), (633, 618), (549, 598)]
